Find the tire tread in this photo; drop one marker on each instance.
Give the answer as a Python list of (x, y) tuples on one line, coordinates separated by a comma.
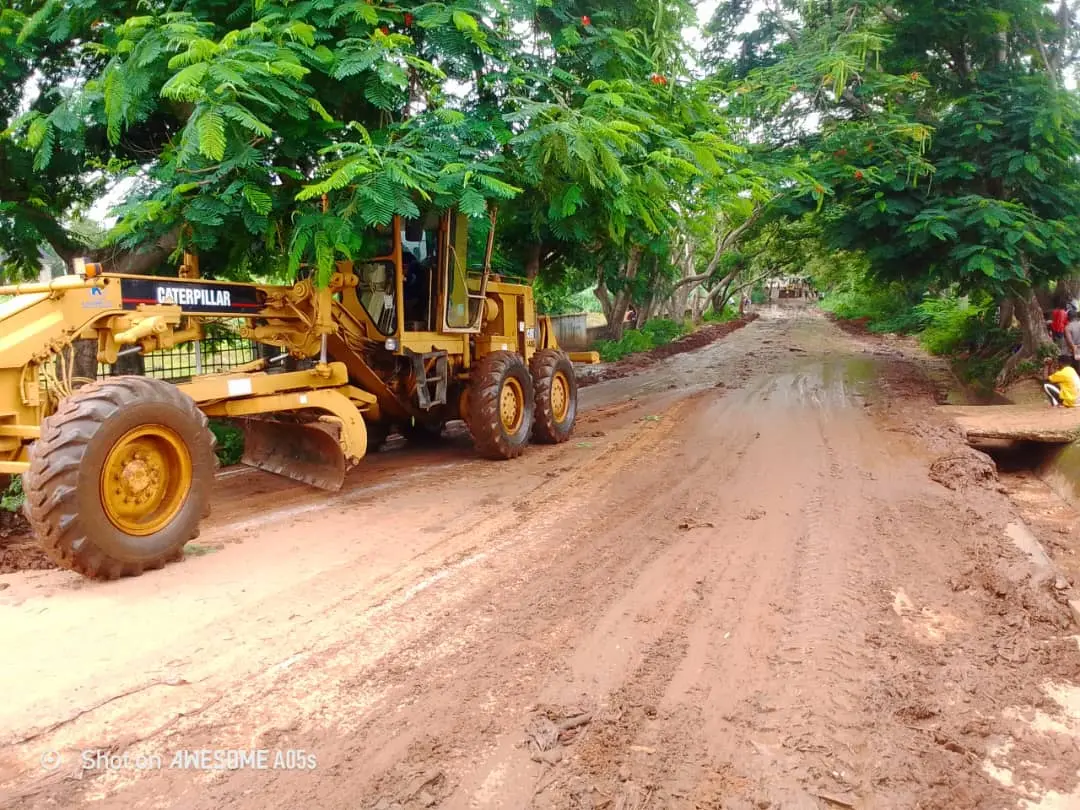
[(51, 482)]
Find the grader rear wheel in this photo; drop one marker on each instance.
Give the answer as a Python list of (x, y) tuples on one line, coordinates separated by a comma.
[(556, 396), (120, 477), (501, 405)]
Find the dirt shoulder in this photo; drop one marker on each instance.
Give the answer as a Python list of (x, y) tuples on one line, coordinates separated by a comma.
[(738, 586), (635, 363)]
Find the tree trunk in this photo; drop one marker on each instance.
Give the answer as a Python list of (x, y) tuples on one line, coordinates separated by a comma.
[(646, 311), (1005, 313), (532, 260), (1045, 299), (615, 308), (1067, 291), (133, 363), (1035, 336), (115, 260), (698, 310), (84, 368)]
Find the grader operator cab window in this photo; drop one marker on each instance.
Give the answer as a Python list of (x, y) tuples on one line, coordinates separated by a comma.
[(465, 288), (419, 260), (377, 286)]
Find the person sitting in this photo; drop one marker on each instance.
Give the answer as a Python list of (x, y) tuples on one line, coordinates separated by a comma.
[(1063, 386)]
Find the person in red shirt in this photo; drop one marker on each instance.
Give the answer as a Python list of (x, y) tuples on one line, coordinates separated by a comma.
[(1058, 321)]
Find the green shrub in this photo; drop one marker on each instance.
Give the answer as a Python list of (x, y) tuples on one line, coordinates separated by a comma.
[(662, 330), (887, 309), (729, 313), (632, 341), (230, 442), (653, 333), (953, 324), (12, 499)]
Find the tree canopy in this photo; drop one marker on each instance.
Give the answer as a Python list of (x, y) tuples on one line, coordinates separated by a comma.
[(936, 141)]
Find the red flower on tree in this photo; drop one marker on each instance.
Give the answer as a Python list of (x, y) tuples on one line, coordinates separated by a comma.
[(408, 18), (656, 78), (585, 20), (384, 29), (858, 175)]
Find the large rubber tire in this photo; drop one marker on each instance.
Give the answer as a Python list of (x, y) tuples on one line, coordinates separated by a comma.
[(495, 374), (65, 481), (553, 373)]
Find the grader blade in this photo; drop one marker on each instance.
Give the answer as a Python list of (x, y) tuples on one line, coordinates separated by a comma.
[(310, 453)]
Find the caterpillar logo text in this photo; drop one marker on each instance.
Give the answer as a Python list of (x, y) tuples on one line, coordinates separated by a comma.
[(202, 296), (194, 296)]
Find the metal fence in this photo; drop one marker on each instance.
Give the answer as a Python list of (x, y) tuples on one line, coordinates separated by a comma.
[(221, 350)]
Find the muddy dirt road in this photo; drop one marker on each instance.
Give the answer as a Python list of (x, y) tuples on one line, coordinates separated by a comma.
[(737, 587)]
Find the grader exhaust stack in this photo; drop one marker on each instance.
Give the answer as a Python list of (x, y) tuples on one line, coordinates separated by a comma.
[(309, 453)]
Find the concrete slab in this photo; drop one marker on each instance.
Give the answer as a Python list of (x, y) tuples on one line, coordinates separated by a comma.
[(1035, 422)]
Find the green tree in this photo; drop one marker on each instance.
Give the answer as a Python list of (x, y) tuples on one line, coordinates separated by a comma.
[(275, 133), (945, 144)]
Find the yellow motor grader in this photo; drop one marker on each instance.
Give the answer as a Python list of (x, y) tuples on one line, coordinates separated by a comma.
[(117, 472)]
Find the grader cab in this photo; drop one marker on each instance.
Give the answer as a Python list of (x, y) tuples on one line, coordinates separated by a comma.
[(117, 472)]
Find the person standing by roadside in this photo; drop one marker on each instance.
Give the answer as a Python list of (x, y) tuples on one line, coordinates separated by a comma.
[(1072, 338), (1059, 319)]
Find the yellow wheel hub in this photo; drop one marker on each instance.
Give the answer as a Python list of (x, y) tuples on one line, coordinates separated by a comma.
[(512, 405), (560, 396), (145, 479)]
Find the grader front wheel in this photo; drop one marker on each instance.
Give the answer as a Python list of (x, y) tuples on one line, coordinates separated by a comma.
[(501, 405), (120, 477)]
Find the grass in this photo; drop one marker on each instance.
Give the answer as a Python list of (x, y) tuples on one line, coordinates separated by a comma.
[(656, 332)]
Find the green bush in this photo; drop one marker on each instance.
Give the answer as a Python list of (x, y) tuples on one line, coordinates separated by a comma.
[(632, 341), (657, 332), (653, 333), (12, 499), (887, 309), (953, 324), (662, 330), (729, 313), (230, 442)]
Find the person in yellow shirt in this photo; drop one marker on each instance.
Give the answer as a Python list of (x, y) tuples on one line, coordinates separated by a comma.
[(1063, 386)]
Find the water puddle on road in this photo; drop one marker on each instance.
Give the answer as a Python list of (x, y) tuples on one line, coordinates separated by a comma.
[(825, 384)]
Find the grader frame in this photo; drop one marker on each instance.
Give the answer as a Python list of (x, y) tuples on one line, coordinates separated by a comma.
[(117, 472)]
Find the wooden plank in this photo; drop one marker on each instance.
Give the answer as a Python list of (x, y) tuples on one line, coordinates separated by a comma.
[(1033, 423)]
